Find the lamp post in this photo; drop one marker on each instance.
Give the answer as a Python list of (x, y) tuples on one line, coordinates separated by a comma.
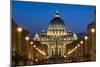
[(34, 52), (27, 47), (31, 50), (81, 47), (86, 45), (19, 48), (93, 44), (27, 42), (78, 51)]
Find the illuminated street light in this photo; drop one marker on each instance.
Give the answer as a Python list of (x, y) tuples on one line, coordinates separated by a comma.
[(93, 43), (36, 60), (92, 30), (27, 38), (64, 56), (81, 48), (78, 49), (31, 43), (86, 37), (86, 48), (81, 42), (31, 50), (27, 44), (37, 48), (19, 29), (78, 45), (34, 46)]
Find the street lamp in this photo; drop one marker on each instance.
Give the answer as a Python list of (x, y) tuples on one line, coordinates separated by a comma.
[(93, 44), (36, 60), (78, 50), (64, 56), (27, 38), (86, 46), (27, 41), (27, 45), (81, 42), (31, 51), (92, 30), (19, 47), (34, 51), (31, 43), (78, 45), (19, 29), (34, 46), (86, 37)]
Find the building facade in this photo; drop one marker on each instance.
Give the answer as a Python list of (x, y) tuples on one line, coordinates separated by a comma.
[(18, 44), (56, 37), (92, 38)]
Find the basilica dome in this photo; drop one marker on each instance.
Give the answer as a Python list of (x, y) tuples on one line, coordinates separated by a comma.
[(56, 26), (57, 21)]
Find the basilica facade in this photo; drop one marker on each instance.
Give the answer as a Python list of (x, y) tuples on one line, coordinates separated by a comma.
[(56, 37)]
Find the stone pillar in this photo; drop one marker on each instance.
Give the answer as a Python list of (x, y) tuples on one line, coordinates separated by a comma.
[(54, 50), (64, 49), (50, 50), (58, 50), (61, 50), (49, 54)]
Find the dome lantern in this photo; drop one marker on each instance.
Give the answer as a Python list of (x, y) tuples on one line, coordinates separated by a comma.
[(57, 14)]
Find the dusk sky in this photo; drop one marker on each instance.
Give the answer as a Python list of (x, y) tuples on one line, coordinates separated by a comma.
[(35, 16)]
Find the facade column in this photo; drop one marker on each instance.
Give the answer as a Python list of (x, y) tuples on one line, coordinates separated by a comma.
[(48, 50), (62, 50), (53, 51), (58, 50)]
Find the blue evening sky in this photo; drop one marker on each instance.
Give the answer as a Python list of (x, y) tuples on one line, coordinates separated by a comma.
[(35, 16)]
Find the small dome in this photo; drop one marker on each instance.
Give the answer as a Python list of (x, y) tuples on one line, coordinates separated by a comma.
[(36, 37)]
